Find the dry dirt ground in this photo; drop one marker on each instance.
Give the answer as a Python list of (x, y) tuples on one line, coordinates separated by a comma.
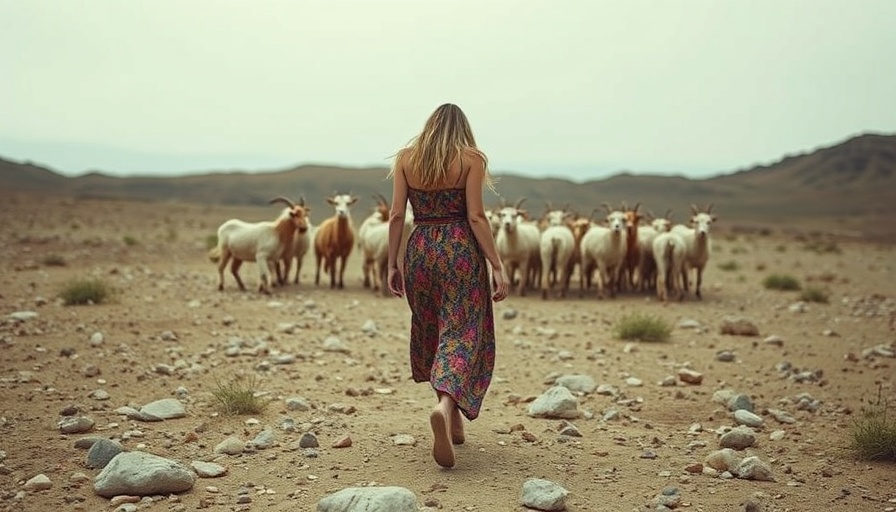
[(154, 255)]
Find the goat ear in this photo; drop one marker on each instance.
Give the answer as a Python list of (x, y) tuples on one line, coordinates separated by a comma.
[(331, 201)]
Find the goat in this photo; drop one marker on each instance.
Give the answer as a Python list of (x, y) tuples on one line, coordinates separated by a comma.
[(300, 244), (646, 235), (698, 246), (556, 249), (517, 243), (668, 251), (605, 248), (334, 239), (580, 226), (373, 240), (262, 242), (632, 249)]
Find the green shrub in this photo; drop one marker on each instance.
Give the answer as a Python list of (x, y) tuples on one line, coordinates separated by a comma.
[(729, 266), (239, 396), (874, 432), (130, 241), (814, 294), (781, 282), (642, 327), (211, 241), (85, 291), (54, 260)]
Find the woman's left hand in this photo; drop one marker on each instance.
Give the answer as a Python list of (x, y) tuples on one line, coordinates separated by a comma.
[(396, 282)]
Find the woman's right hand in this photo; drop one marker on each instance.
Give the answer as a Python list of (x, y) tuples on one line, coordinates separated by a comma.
[(396, 282)]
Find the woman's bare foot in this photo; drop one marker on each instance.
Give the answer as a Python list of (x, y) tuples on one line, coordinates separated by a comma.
[(457, 427), (442, 451)]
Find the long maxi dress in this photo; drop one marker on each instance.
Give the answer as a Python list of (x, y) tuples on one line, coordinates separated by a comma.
[(448, 289)]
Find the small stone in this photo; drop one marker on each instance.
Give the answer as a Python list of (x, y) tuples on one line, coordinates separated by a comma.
[(343, 442), (689, 376), (39, 483)]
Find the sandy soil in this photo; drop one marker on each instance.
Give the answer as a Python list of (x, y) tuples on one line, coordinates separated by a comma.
[(165, 282)]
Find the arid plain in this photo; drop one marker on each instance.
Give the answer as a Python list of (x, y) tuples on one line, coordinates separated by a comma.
[(168, 327)]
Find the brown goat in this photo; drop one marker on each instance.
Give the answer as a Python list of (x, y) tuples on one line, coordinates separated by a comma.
[(334, 240)]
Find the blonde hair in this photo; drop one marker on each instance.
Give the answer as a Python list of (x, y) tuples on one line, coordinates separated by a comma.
[(445, 136)]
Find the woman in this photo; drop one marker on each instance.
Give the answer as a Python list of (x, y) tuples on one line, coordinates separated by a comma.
[(449, 288)]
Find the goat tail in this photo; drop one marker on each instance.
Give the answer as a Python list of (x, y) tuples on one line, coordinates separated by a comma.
[(215, 254), (555, 249)]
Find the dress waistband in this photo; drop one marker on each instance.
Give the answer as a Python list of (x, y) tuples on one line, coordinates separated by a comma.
[(451, 219)]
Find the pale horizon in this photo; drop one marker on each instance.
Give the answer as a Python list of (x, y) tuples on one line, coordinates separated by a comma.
[(572, 89)]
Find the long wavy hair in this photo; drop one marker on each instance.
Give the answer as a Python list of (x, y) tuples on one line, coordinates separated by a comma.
[(445, 136)]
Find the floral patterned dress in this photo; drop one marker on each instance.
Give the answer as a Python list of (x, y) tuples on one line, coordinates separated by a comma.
[(449, 293)]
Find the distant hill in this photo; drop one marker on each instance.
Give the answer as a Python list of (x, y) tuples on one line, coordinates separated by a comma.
[(851, 183)]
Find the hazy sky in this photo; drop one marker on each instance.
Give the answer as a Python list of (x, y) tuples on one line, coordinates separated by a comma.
[(567, 88)]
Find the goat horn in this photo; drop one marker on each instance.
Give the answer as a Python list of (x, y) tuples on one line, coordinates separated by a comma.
[(635, 209), (668, 214), (709, 208), (606, 206), (301, 200), (694, 209), (520, 203), (283, 200)]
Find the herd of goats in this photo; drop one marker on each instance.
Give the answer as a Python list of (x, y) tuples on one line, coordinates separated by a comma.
[(630, 250)]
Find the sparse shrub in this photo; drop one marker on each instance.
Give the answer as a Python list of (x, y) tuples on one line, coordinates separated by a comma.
[(765, 232), (211, 241), (239, 396), (642, 327), (874, 432), (814, 294), (823, 247), (130, 241), (781, 282), (172, 234), (760, 267), (729, 266), (781, 248), (85, 291), (739, 250), (54, 260)]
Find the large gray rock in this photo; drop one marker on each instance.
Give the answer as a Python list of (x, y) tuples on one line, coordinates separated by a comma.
[(577, 383), (543, 495), (166, 408), (143, 474), (369, 499), (557, 402)]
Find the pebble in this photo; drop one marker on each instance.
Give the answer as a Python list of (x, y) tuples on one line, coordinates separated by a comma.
[(39, 483)]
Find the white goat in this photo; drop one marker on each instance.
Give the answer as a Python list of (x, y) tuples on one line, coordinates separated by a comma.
[(668, 251), (517, 243), (698, 246), (646, 236), (605, 248), (262, 242), (300, 245), (556, 250), (334, 239), (373, 240)]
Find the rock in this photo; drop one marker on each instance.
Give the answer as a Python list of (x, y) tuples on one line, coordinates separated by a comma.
[(369, 499), (404, 440), (781, 416), (543, 495), (577, 383), (740, 402), (308, 440), (739, 326), (297, 404), (230, 446), (690, 376), (556, 402), (39, 483), (208, 469), (725, 356), (751, 468), (334, 344), (264, 440), (745, 417), (688, 323), (774, 340), (343, 442), (75, 424), (725, 459), (166, 408), (739, 438), (23, 316), (143, 474), (101, 452)]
